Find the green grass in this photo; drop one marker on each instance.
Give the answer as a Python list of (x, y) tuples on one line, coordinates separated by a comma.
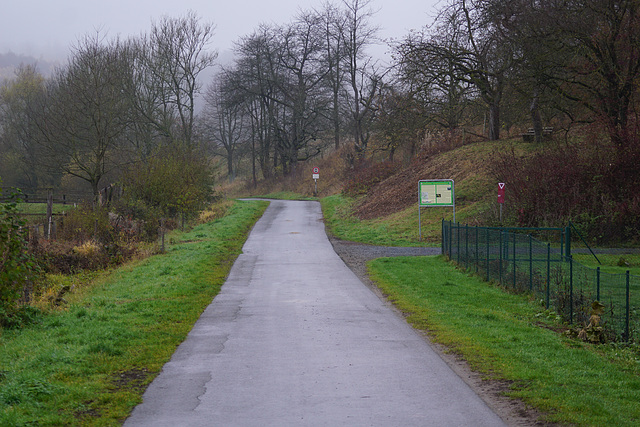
[(504, 336), (89, 364), (41, 208), (615, 264), (507, 337), (397, 230)]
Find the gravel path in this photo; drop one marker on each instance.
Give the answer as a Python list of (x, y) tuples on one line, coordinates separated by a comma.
[(356, 255)]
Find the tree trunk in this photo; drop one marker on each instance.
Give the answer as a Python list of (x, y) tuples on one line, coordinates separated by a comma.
[(494, 121), (535, 117)]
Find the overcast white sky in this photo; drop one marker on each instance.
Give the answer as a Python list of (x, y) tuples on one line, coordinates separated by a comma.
[(46, 29)]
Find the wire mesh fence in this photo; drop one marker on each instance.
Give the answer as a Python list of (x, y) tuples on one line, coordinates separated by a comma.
[(523, 263)]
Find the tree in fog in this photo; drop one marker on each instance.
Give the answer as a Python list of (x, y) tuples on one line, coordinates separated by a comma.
[(281, 69), (432, 81), (84, 113), (333, 23), (224, 121), (173, 56), (363, 77), (19, 156), (467, 46)]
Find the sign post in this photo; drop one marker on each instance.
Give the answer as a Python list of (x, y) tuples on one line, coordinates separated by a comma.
[(501, 197), (316, 177), (435, 192)]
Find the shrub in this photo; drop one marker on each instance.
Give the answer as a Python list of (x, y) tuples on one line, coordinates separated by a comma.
[(366, 175), (86, 223), (18, 270), (174, 182), (588, 183)]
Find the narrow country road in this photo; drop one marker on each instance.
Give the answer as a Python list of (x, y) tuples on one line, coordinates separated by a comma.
[(296, 339)]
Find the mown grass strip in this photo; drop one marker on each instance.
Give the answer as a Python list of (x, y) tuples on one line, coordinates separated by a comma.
[(508, 337), (89, 364)]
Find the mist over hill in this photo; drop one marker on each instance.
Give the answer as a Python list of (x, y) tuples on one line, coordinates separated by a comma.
[(10, 61)]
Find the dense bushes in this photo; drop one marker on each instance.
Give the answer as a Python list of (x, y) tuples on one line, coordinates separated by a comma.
[(176, 182), (590, 183), (366, 175), (17, 268)]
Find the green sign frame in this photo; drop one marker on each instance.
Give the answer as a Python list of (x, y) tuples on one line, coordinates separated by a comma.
[(435, 193)]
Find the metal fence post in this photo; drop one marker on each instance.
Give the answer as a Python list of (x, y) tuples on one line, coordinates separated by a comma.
[(628, 312), (530, 262), (477, 248), (514, 260), (443, 236), (450, 240), (548, 273), (500, 276), (466, 246), (487, 254), (567, 245), (598, 283), (458, 241), (570, 290)]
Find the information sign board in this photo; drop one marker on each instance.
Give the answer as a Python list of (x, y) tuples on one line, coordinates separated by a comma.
[(436, 193)]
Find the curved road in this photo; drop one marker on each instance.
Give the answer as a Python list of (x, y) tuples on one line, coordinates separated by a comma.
[(296, 339)]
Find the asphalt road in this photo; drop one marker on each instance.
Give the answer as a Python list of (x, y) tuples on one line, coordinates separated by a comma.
[(296, 339)]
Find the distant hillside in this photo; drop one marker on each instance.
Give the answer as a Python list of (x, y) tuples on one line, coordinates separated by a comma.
[(10, 61)]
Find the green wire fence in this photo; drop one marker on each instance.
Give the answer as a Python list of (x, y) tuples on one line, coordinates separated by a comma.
[(524, 263)]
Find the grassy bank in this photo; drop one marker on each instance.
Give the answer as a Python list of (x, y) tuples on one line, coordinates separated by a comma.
[(398, 230), (509, 337), (89, 362)]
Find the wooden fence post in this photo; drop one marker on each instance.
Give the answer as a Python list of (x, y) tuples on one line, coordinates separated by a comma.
[(49, 212)]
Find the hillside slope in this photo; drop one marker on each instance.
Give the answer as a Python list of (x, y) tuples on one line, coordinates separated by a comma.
[(467, 166)]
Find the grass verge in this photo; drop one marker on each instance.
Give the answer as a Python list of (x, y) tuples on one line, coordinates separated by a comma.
[(397, 230), (90, 363), (508, 337)]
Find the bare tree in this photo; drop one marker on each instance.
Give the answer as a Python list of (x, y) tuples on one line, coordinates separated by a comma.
[(432, 80), (84, 114), (333, 26), (175, 53), (601, 38), (224, 120), (363, 77), (19, 154)]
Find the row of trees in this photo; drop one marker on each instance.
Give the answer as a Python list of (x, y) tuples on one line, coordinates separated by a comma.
[(297, 89), (294, 89), (577, 59), (485, 65), (114, 106)]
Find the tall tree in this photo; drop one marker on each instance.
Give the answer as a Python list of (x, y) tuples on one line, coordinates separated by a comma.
[(19, 155), (84, 114), (363, 77), (333, 28), (175, 55), (602, 40), (225, 121)]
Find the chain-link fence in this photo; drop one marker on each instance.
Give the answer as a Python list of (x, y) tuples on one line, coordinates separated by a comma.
[(526, 264)]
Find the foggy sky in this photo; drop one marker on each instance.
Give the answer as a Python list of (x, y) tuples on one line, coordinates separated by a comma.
[(46, 29)]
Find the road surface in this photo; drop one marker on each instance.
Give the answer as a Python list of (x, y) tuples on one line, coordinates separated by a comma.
[(294, 338)]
